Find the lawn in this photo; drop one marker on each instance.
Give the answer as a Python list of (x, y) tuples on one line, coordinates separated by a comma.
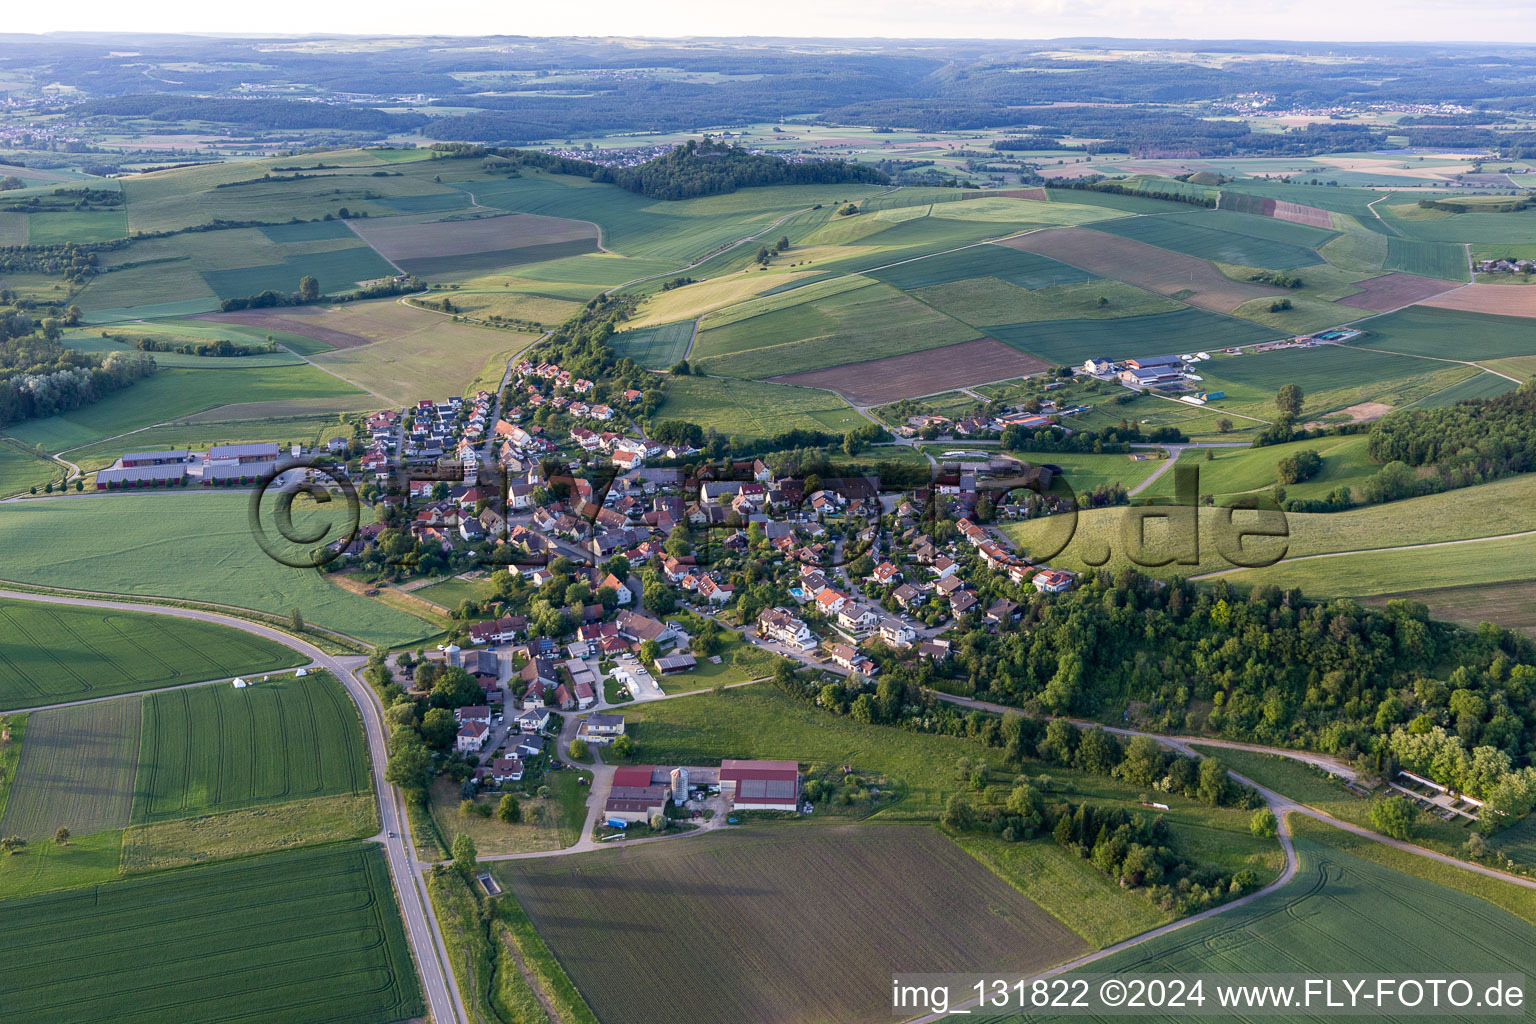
[(1504, 506), (1069, 342), (755, 408), (303, 737), (454, 591), (1232, 471), (655, 348), (1449, 334), (1085, 471), (192, 546), (828, 913), (76, 770), (1313, 926), (176, 393), (299, 937), (870, 321), (64, 653), (269, 828), (1388, 572), (1067, 887), (21, 470), (1189, 235)]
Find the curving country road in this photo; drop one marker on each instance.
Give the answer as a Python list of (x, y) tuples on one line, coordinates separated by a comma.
[(442, 996)]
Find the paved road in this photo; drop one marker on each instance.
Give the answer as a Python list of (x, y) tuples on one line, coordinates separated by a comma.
[(426, 940)]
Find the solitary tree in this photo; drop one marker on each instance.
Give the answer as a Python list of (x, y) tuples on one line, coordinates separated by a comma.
[(1394, 816), (463, 851), (309, 289), (1263, 823), (579, 748), (782, 243), (296, 620), (658, 822), (1224, 425), (12, 844), (1288, 400), (623, 747), (61, 835), (509, 810)]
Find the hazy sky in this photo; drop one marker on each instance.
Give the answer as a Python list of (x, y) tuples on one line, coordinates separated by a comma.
[(1426, 20)]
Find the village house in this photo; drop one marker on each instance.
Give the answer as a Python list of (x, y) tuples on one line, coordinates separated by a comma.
[(850, 659), (471, 737), (779, 625)]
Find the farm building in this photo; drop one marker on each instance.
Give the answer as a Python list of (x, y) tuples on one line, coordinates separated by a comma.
[(171, 458), (761, 785), (634, 796), (263, 451), (673, 663), (171, 475)]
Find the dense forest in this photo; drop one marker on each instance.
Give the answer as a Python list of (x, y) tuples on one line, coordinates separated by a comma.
[(40, 377), (527, 89), (1271, 667), (694, 169), (1470, 442), (255, 113)]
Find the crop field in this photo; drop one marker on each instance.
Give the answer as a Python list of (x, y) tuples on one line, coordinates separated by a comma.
[(396, 350), (299, 937), (1009, 263), (1485, 511), (309, 231), (1449, 334), (1069, 342), (76, 770), (982, 301), (1315, 369), (1313, 925), (1427, 259), (920, 373), (449, 248), (1511, 605), (339, 270), (266, 828), (21, 470), (195, 546), (634, 225), (1484, 385), (1500, 299), (1296, 213), (755, 408), (1274, 229), (1193, 238), (1392, 291), (1456, 228), (1163, 271), (78, 226), (169, 200), (655, 348), (204, 429), (830, 911), (56, 653), (215, 748), (870, 321), (175, 393)]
